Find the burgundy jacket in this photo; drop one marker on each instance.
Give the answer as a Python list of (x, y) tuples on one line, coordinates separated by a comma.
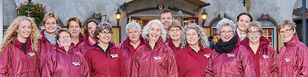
[(128, 52), (237, 63), (293, 59), (101, 64), (157, 62), (85, 45), (60, 63), (265, 59), (175, 50), (192, 64), (16, 63), (45, 47)]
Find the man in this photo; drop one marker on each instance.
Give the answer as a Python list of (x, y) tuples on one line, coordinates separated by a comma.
[(166, 17)]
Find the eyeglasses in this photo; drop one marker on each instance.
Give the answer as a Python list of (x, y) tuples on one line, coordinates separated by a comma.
[(105, 33), (226, 32), (64, 37), (93, 27), (253, 32), (287, 30)]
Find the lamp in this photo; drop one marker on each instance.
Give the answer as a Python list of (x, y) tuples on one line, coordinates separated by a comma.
[(118, 16), (203, 16)]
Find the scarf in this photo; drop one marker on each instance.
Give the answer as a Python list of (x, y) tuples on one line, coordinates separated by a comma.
[(225, 47)]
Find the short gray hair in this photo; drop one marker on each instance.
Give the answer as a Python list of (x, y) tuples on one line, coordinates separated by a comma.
[(133, 25), (203, 41), (225, 22), (145, 31)]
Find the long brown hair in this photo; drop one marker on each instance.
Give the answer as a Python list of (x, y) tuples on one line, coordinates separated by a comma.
[(11, 33)]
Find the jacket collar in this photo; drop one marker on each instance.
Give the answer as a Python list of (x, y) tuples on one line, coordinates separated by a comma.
[(19, 44), (158, 43), (126, 42), (262, 44), (62, 50), (193, 51), (293, 41)]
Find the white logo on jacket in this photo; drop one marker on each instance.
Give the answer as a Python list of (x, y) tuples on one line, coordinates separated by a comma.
[(31, 54), (76, 63), (230, 55), (265, 56), (207, 55), (287, 59), (157, 58), (114, 55)]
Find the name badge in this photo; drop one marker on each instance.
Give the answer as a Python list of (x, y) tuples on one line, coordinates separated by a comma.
[(230, 55), (207, 55), (114, 55), (287, 59), (157, 58), (31, 54), (265, 56), (76, 63)]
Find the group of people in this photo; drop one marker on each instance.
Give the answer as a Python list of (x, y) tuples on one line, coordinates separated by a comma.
[(162, 48)]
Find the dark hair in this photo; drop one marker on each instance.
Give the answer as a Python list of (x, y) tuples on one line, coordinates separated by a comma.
[(211, 37), (85, 26), (76, 19), (244, 13), (62, 30), (166, 11), (102, 26)]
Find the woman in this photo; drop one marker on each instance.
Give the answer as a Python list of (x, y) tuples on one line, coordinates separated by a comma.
[(243, 20), (195, 51), (18, 53), (129, 46), (74, 25), (104, 59), (65, 61), (229, 58), (89, 38), (294, 54), (263, 54), (174, 32), (48, 40), (154, 58)]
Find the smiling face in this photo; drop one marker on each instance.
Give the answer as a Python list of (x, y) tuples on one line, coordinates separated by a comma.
[(104, 36), (243, 22), (286, 33), (192, 37), (166, 18), (51, 25), (64, 39), (133, 34), (91, 29), (175, 33), (254, 35), (74, 28), (154, 31), (24, 29), (226, 33)]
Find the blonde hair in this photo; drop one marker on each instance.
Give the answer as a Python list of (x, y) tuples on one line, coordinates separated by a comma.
[(255, 24), (50, 15), (11, 33), (285, 23)]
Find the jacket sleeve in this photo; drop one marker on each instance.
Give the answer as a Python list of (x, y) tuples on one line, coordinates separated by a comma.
[(273, 63), (209, 67), (4, 62), (135, 68), (302, 63), (88, 60), (122, 65), (179, 63), (247, 63), (172, 67), (48, 66)]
